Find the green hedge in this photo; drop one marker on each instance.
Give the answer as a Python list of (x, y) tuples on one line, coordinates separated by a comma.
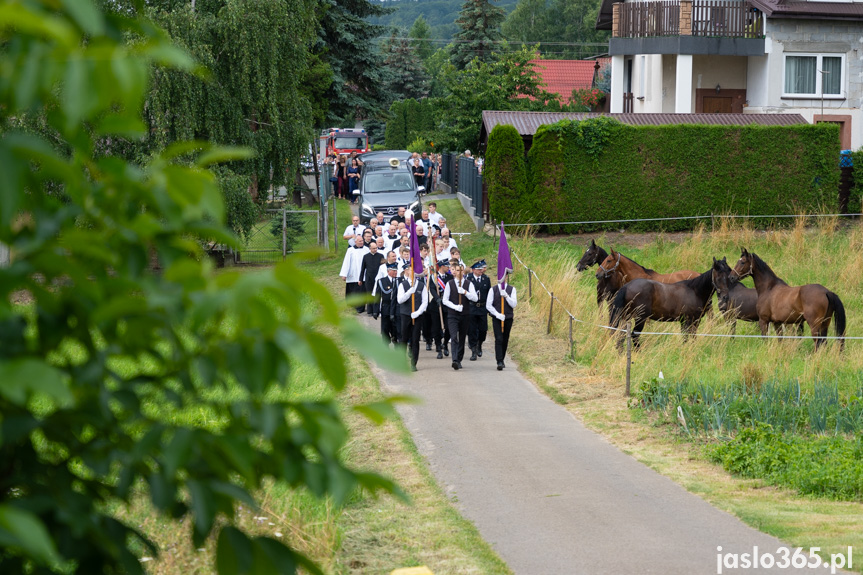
[(599, 169), (505, 175)]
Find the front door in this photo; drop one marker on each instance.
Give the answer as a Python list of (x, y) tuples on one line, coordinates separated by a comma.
[(717, 105)]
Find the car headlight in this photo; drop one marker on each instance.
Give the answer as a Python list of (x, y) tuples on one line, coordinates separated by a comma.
[(414, 206), (368, 210)]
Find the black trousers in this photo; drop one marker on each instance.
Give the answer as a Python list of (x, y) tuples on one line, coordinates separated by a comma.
[(410, 333), (501, 337), (478, 329), (457, 324), (428, 334), (372, 307), (389, 332), (354, 288), (440, 331)]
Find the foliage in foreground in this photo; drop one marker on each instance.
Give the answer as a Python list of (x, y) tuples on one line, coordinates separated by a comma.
[(102, 339)]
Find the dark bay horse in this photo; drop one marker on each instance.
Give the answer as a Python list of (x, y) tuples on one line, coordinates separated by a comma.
[(625, 270), (686, 301), (736, 301), (780, 304), (606, 287)]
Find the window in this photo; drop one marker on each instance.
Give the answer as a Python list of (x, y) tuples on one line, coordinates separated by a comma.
[(814, 75)]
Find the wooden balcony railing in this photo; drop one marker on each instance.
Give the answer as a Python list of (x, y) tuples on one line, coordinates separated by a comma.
[(704, 18), (645, 19)]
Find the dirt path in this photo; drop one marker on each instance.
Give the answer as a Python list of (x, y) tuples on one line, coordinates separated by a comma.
[(549, 495)]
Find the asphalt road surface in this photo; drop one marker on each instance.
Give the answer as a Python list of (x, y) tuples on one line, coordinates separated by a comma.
[(549, 495)]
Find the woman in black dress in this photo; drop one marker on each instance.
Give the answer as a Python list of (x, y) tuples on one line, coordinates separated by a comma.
[(418, 171)]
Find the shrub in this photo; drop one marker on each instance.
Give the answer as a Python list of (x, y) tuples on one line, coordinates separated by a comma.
[(596, 170), (504, 172)]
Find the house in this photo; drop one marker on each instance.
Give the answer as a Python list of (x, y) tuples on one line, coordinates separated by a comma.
[(563, 76), (527, 123), (738, 57)]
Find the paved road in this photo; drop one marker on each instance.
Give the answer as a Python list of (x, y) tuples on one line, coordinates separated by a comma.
[(549, 495)]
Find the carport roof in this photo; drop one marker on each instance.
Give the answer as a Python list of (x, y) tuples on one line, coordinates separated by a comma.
[(527, 122)]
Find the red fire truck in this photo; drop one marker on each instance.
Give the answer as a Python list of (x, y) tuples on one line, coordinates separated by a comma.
[(344, 141)]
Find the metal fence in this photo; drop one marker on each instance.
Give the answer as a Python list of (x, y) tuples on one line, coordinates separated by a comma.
[(278, 233), (447, 170), (470, 184)]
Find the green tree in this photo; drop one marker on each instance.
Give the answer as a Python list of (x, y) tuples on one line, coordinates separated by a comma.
[(506, 175), (407, 76), (420, 34), (479, 31), (120, 383), (567, 23), (347, 42), (258, 57), (507, 82), (396, 130)]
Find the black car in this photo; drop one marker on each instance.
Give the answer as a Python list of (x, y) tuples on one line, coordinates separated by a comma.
[(385, 188), (383, 157)]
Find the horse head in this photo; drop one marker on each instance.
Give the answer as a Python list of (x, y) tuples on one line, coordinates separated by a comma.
[(609, 265), (722, 283), (589, 258), (743, 267)]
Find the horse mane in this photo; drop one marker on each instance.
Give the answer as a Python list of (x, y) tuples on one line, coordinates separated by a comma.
[(602, 254), (646, 270), (698, 283), (762, 267)]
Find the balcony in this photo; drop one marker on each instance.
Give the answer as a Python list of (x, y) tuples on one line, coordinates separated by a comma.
[(723, 27)]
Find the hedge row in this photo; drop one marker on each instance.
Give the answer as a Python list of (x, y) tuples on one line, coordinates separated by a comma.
[(599, 169), (408, 120)]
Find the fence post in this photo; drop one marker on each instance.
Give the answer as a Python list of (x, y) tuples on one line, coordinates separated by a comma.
[(550, 310), (284, 233), (628, 354), (529, 284), (335, 224), (571, 341)]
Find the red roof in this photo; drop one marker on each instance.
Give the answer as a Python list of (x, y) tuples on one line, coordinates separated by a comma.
[(563, 76)]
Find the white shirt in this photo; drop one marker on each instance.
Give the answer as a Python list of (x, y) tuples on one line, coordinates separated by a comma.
[(424, 225), (353, 230), (470, 293), (493, 306), (352, 263), (390, 242), (434, 218), (452, 244), (404, 295)]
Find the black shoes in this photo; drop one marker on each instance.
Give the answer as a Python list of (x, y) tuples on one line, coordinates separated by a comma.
[(428, 346), (500, 366), (455, 365), (479, 350), (473, 355), (375, 316), (414, 368), (459, 365), (439, 354), (446, 350)]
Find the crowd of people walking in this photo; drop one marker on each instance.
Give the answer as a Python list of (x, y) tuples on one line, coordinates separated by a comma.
[(347, 170), (421, 290)]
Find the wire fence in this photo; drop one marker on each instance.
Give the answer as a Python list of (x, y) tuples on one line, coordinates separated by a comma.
[(629, 332), (680, 218)]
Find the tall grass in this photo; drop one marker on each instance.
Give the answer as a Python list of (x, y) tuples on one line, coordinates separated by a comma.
[(828, 251)]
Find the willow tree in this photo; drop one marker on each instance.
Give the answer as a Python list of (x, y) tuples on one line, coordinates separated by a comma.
[(257, 53)]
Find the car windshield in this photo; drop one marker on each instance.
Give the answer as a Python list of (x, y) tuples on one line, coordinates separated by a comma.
[(350, 143), (388, 182)]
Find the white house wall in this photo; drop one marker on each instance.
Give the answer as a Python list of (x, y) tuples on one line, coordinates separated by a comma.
[(725, 71), (765, 89), (669, 82), (651, 73)]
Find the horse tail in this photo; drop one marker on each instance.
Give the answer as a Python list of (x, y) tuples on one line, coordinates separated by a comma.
[(838, 316), (617, 306)]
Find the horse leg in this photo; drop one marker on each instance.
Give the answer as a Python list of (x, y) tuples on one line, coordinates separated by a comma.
[(818, 328), (639, 327), (733, 327), (763, 325)]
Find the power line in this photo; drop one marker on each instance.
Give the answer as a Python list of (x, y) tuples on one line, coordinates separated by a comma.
[(514, 42)]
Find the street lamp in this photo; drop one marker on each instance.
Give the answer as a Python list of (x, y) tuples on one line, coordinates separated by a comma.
[(822, 72)]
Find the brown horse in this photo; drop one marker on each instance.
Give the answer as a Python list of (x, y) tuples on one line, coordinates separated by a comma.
[(736, 301), (781, 304), (618, 266), (685, 301), (605, 287)]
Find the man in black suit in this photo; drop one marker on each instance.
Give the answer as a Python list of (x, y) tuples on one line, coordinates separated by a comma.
[(385, 291), (478, 327)]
